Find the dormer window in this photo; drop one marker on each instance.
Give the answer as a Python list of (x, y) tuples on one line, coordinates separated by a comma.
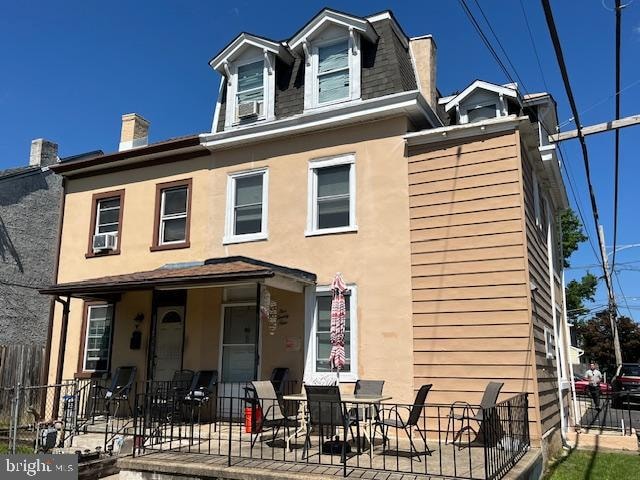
[(333, 77), (247, 92), (250, 91), (330, 46), (482, 112)]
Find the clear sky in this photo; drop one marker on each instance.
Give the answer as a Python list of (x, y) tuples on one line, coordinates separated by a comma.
[(70, 69)]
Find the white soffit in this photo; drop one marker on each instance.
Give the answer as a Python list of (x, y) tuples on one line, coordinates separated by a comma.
[(243, 41), (330, 16), (482, 85)]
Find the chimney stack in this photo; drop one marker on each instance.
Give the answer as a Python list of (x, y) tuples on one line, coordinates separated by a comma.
[(43, 153), (135, 132), (423, 51)]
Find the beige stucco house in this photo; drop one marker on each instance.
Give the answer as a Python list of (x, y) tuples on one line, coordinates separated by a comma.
[(331, 152)]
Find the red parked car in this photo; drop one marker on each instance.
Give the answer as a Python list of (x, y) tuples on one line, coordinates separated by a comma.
[(581, 386), (626, 384)]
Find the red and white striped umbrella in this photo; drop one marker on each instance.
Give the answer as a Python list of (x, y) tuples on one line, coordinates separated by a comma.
[(338, 320)]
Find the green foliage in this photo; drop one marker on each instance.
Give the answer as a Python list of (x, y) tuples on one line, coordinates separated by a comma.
[(577, 291), (596, 339), (572, 234), (595, 465)]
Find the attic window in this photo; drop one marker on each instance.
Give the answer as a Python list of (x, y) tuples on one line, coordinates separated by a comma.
[(250, 91), (481, 112), (333, 72)]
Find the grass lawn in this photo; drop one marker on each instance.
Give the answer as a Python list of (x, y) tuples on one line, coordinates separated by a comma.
[(4, 449), (583, 465)]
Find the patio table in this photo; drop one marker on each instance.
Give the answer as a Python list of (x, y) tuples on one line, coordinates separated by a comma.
[(350, 398)]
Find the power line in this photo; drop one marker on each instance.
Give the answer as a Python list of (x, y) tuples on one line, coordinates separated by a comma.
[(496, 57), (583, 145), (533, 44), (617, 135)]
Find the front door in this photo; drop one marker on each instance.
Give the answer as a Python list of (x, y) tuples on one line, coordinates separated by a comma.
[(168, 351), (239, 344), (239, 355)]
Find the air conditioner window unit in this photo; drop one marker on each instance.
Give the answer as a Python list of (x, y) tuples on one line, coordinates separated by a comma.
[(103, 242), (249, 109)]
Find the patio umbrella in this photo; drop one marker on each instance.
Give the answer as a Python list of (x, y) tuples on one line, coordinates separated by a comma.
[(338, 318)]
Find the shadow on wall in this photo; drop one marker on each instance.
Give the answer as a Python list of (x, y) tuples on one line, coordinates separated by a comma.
[(7, 248)]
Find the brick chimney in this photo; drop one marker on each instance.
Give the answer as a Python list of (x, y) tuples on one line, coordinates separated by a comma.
[(134, 133), (423, 51), (43, 153)]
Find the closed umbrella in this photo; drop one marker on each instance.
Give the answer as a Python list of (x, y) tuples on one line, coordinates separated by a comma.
[(338, 319)]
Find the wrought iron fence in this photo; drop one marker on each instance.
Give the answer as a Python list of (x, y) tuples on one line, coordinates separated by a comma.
[(607, 411), (438, 440)]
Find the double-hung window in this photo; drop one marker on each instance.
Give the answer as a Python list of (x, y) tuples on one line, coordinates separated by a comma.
[(333, 77), (173, 204), (332, 195), (106, 220), (250, 89), (321, 348), (97, 342), (247, 206)]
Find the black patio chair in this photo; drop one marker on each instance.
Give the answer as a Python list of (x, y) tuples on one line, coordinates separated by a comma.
[(326, 413), (119, 391), (364, 388), (279, 377), (395, 420), (477, 416), (203, 386), (272, 415), (168, 397)]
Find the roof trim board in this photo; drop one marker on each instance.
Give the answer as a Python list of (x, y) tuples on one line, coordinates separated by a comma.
[(480, 84), (246, 40)]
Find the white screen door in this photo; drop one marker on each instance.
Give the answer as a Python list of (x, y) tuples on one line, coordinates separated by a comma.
[(168, 352)]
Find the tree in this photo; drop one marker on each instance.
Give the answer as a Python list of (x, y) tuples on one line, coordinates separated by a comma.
[(572, 234), (595, 338), (577, 291)]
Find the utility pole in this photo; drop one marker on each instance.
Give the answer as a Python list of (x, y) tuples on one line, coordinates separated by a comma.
[(612, 300)]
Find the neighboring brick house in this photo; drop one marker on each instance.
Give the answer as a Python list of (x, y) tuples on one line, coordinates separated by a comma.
[(332, 151), (30, 199)]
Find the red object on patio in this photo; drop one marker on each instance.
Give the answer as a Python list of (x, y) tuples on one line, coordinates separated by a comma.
[(252, 419), (338, 320)]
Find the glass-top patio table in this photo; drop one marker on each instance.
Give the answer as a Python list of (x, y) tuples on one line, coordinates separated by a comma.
[(347, 398)]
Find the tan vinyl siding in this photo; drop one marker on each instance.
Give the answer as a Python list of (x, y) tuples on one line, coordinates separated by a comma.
[(541, 306), (471, 320)]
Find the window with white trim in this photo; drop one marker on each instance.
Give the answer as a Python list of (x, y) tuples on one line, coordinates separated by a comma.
[(332, 195), (98, 338), (173, 215), (333, 70), (249, 95), (247, 206), (333, 75), (549, 343), (482, 112), (321, 343)]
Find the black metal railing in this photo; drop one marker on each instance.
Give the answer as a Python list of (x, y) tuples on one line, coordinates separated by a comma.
[(506, 429), (438, 440), (606, 411)]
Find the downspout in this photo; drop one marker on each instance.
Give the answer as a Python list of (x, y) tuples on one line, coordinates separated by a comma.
[(61, 349), (568, 336), (563, 425)]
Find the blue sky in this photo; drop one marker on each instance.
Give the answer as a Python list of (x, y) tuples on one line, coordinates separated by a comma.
[(71, 69)]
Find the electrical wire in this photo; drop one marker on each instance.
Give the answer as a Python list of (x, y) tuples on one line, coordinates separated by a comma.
[(616, 167), (533, 44), (583, 145)]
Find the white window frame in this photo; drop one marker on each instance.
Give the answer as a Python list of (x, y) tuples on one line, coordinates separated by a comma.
[(311, 95), (98, 210), (312, 197), (86, 337), (537, 204), (268, 95), (311, 367), (549, 343), (173, 216), (230, 236), (466, 108)]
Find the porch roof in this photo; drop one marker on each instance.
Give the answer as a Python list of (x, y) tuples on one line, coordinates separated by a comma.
[(210, 272)]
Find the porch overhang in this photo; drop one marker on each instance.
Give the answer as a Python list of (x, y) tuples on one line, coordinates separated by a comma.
[(211, 272)]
